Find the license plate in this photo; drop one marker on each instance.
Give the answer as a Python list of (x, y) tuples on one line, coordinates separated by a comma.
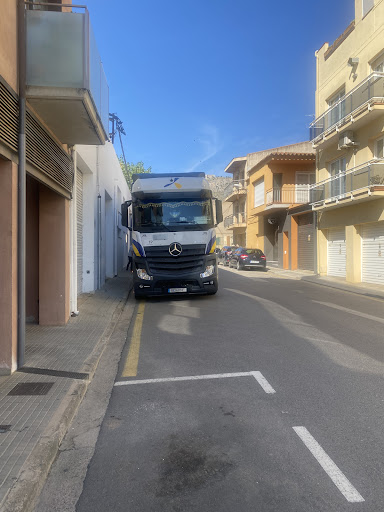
[(254, 261), (177, 290)]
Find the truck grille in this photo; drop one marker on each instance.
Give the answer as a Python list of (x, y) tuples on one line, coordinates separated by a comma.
[(190, 260)]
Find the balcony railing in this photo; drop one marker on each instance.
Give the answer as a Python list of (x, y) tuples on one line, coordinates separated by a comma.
[(235, 187), (372, 88), (235, 219), (64, 66), (288, 195), (348, 182)]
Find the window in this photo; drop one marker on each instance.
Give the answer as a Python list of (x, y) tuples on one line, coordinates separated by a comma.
[(379, 145), (338, 111), (258, 193), (378, 64), (337, 171), (367, 6)]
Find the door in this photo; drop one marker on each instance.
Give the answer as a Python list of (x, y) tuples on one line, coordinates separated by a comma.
[(79, 214), (286, 250), (337, 254), (372, 257), (305, 242)]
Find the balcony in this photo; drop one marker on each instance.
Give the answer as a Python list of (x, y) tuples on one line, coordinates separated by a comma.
[(286, 196), (363, 97), (234, 190), (237, 220), (66, 84), (364, 182)]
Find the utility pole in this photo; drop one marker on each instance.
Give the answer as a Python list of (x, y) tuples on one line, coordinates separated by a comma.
[(117, 126)]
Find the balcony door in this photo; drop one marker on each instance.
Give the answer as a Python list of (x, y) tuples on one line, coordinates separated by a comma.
[(337, 112), (337, 172), (303, 182)]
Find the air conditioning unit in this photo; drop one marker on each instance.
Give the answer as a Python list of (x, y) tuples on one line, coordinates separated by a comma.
[(346, 140)]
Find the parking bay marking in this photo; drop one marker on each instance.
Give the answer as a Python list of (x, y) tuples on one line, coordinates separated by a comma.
[(256, 375), (132, 361), (334, 473)]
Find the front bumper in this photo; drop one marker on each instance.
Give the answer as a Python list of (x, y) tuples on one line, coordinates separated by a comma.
[(175, 283)]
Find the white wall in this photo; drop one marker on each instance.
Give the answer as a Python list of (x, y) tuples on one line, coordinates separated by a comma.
[(102, 176)]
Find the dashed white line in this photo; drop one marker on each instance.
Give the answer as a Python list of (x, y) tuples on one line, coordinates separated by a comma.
[(257, 375), (334, 473)]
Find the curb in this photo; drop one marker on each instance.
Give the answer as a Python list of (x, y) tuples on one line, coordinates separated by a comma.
[(22, 497)]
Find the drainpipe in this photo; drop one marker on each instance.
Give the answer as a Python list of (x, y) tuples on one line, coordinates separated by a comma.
[(21, 200), (98, 220), (74, 311)]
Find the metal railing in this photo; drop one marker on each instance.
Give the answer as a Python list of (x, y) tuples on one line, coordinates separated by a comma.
[(288, 195), (347, 182), (236, 186), (371, 88), (236, 218)]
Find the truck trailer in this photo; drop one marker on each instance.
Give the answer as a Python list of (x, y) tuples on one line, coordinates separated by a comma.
[(172, 219)]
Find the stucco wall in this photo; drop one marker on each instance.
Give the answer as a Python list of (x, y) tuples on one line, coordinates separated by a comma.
[(365, 42)]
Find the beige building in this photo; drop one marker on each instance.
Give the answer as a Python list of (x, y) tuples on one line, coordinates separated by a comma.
[(236, 195), (50, 100), (348, 134)]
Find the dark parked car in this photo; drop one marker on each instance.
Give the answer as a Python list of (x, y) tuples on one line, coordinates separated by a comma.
[(243, 258), (224, 255)]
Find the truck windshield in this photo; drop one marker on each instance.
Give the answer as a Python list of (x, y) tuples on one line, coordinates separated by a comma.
[(167, 215)]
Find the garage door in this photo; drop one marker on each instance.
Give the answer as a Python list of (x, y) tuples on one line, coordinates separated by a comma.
[(372, 257), (305, 242), (337, 254)]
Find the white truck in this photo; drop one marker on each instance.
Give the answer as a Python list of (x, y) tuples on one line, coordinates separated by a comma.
[(173, 234)]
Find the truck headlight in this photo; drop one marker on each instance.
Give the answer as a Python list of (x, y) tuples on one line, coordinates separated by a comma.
[(142, 274), (209, 270)]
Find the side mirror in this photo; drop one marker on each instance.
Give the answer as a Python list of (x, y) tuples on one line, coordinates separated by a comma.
[(124, 213), (219, 211)]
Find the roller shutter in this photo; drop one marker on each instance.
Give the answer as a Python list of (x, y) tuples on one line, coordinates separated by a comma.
[(372, 257), (305, 242), (79, 211), (337, 254)]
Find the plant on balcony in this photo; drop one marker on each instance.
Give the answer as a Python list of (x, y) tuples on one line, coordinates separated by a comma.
[(377, 180)]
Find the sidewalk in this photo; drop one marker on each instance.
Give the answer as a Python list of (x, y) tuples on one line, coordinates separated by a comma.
[(38, 403), (370, 290)]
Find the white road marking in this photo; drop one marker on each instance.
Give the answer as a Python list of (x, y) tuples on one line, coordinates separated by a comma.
[(335, 474), (351, 311), (263, 382), (257, 375)]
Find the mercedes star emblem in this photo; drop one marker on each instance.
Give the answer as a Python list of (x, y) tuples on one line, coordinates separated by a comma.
[(175, 249)]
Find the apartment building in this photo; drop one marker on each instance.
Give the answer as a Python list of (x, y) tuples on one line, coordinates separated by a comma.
[(348, 134), (53, 97), (235, 219), (271, 211)]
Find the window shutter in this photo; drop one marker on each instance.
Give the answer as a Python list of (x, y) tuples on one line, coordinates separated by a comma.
[(259, 193)]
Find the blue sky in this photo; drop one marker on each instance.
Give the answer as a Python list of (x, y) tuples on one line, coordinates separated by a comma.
[(199, 82)]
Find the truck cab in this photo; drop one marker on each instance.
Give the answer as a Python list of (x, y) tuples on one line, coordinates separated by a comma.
[(173, 234)]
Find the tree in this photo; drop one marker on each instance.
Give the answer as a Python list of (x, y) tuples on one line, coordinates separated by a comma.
[(132, 169)]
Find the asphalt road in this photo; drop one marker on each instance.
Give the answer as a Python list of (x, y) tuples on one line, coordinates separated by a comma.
[(265, 397)]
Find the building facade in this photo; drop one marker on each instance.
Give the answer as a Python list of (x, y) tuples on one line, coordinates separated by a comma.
[(236, 195), (50, 101), (271, 211), (348, 135)]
